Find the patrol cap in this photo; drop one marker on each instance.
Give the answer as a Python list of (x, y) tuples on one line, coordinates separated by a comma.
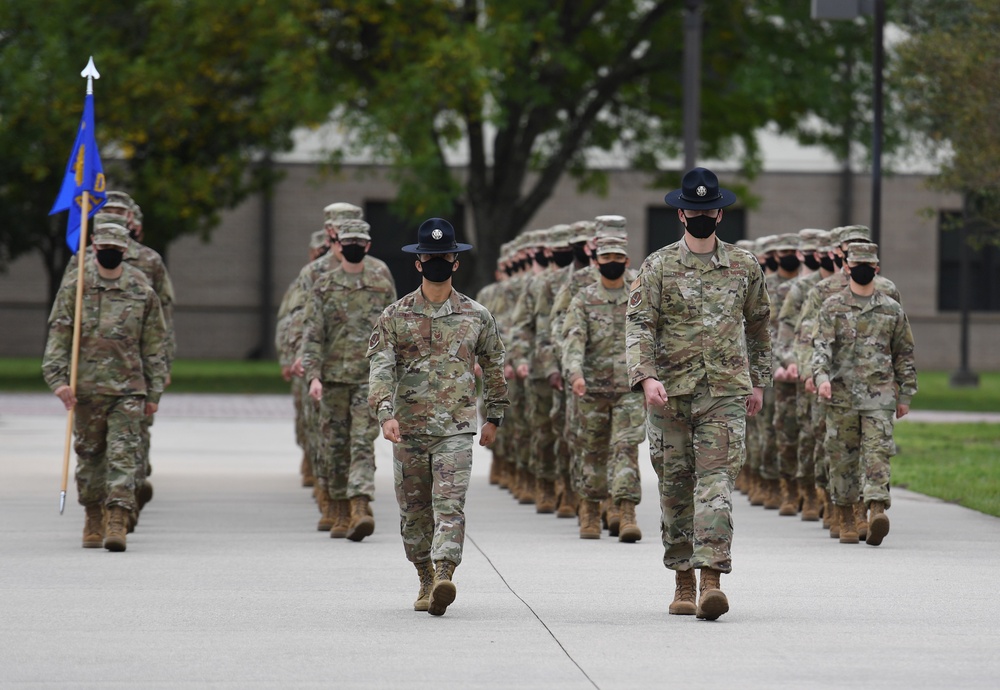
[(788, 240), (765, 244), (339, 211), (110, 218), (532, 239), (862, 253), (811, 238), (111, 234), (612, 245), (582, 231), (353, 228), (318, 239), (137, 214), (117, 199), (748, 245), (610, 226), (558, 236), (851, 233)]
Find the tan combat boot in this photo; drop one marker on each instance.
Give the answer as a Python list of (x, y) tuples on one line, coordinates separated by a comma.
[(114, 535), (757, 492), (443, 592), (590, 521), (684, 594), (494, 471), (545, 496), (772, 495), (614, 517), (848, 528), (341, 518), (93, 527), (861, 520), (712, 603), (326, 509), (829, 514), (425, 571), (878, 526), (810, 500), (307, 471), (362, 523), (628, 531), (565, 505), (789, 497), (526, 492)]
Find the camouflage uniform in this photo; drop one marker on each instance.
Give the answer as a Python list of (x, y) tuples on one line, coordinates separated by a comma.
[(422, 374), (339, 317), (701, 329), (612, 416), (515, 433), (122, 366), (864, 348)]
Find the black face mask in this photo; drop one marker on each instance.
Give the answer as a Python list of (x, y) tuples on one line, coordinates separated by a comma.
[(322, 250), (509, 271), (353, 253), (763, 268), (839, 260), (701, 227), (862, 274), (563, 257), (789, 262), (771, 263), (541, 259), (580, 253), (826, 263), (437, 270), (613, 270), (811, 263), (110, 258), (134, 234)]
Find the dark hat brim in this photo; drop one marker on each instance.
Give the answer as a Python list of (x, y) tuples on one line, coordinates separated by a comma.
[(417, 249), (677, 200)]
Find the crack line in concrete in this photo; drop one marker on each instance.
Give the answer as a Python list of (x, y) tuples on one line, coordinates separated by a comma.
[(533, 613)]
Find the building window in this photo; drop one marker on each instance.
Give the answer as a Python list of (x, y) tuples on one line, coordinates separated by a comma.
[(984, 263), (663, 227), (390, 232)]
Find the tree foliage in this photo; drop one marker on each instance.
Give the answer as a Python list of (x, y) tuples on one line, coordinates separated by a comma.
[(192, 93), (532, 89), (949, 72)]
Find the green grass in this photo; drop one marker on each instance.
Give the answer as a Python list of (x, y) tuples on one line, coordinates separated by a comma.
[(935, 393), (954, 462), (189, 376)]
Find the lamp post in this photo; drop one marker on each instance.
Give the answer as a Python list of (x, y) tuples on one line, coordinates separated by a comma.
[(852, 9)]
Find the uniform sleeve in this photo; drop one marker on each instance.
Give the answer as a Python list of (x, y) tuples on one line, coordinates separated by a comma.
[(575, 343), (56, 361), (382, 368), (152, 349), (491, 356), (790, 308), (823, 339), (642, 321), (903, 362), (756, 314), (523, 329), (296, 314), (804, 333), (281, 330), (166, 294), (313, 332), (546, 352)]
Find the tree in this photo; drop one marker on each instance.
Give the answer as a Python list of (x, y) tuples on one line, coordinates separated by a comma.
[(531, 88), (949, 71), (193, 93)]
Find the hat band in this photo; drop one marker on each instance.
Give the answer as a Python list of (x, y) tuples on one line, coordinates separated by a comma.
[(701, 199)]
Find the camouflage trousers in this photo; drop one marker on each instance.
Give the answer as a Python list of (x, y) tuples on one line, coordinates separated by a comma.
[(807, 437), (786, 429), (859, 445), (299, 393), (143, 468), (613, 426), (768, 439), (107, 448), (821, 464), (313, 435), (543, 439), (432, 477), (700, 445), (571, 432), (557, 415), (349, 428), (517, 443)]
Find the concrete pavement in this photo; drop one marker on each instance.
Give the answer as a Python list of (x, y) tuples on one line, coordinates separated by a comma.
[(226, 584)]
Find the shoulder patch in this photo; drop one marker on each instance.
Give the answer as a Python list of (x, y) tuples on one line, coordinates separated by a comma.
[(636, 299), (373, 341)]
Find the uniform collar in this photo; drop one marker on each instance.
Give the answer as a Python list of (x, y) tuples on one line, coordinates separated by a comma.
[(422, 306), (719, 258)]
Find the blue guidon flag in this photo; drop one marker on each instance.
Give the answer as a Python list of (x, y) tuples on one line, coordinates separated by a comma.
[(83, 174)]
